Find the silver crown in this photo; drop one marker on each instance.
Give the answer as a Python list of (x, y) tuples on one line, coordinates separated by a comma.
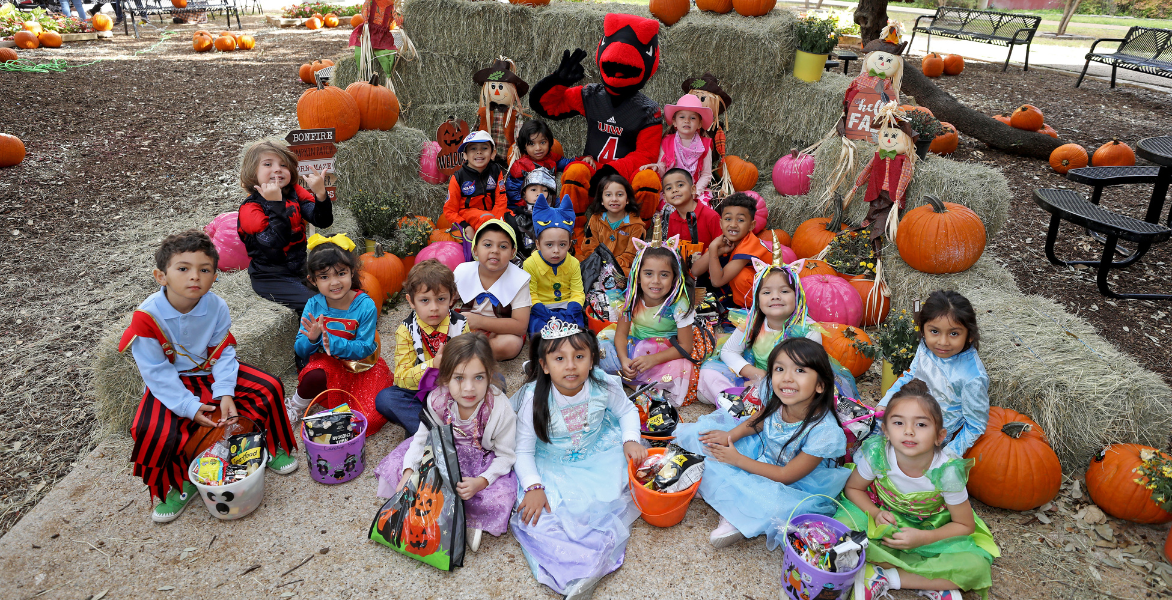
[(556, 328)]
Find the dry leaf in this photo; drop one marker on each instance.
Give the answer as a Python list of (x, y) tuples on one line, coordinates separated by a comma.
[(1104, 544), (1075, 492), (1045, 507), (1070, 547), (1043, 518), (101, 594), (1104, 530), (1110, 562), (165, 588), (1094, 573), (1094, 515)]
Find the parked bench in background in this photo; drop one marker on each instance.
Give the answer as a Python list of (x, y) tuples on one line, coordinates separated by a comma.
[(985, 26), (1144, 49), (146, 8)]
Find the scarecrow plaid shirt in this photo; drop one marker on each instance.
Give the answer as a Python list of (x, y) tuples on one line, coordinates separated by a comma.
[(905, 177), (497, 128)]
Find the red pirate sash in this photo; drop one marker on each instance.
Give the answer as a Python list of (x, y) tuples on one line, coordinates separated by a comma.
[(143, 324)]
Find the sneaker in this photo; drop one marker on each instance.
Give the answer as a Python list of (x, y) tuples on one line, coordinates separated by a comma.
[(877, 584), (168, 510), (282, 463), (940, 594), (725, 534), (474, 536)]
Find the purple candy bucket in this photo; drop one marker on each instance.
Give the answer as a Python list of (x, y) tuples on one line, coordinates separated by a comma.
[(337, 463), (802, 581)]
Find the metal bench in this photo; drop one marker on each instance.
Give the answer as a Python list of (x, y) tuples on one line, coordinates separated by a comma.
[(1101, 177), (985, 26), (1068, 205), (146, 8), (1144, 49)]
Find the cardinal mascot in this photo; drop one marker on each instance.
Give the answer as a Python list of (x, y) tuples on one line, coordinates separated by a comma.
[(624, 127)]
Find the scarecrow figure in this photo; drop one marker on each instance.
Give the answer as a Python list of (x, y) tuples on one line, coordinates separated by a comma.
[(501, 91), (713, 97), (887, 175), (624, 128), (379, 18)]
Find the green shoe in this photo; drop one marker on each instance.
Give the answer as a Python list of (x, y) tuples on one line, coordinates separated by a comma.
[(168, 510), (282, 463)]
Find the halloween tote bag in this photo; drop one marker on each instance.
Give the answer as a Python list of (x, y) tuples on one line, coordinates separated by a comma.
[(425, 520)]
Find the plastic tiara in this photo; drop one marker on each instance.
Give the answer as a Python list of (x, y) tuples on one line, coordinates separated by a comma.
[(556, 328)]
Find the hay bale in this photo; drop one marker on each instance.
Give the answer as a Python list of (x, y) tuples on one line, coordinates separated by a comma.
[(344, 222), (264, 334), (378, 174), (1049, 364)]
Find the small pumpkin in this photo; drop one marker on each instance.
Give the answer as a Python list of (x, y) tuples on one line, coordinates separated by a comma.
[(321, 64), (908, 108), (1112, 154), (791, 173), (329, 106), (179, 3), (933, 65), (876, 306), (783, 236), (946, 142), (201, 32), (26, 40), (8, 55), (201, 43), (940, 237), (313, 23), (225, 43), (246, 42), (753, 8), (716, 6), (1002, 119), (1027, 117), (831, 298), (742, 173), (814, 234), (101, 22), (387, 268), (813, 266), (318, 16), (357, 20), (428, 169), (32, 26), (1111, 485), (1015, 468), (441, 235), (50, 39), (449, 252), (368, 283), (839, 342), (1046, 129), (1067, 157), (953, 64), (331, 20), (378, 108), (669, 12), (11, 150)]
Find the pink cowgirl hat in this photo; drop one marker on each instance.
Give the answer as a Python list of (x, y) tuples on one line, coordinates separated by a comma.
[(690, 103)]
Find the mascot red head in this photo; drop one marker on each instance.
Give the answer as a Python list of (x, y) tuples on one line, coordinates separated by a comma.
[(628, 53)]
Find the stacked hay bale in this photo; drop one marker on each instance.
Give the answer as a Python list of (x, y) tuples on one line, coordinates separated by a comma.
[(378, 177)]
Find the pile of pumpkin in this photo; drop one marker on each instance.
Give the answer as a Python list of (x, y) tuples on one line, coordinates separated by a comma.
[(669, 12), (202, 41), (362, 105), (383, 273), (1073, 156), (318, 20), (306, 71), (935, 64), (33, 36)]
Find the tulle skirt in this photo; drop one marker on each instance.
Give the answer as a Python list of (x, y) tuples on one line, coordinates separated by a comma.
[(364, 386), (678, 371)]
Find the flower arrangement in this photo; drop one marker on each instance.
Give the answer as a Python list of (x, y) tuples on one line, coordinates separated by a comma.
[(844, 22), (927, 126), (851, 253), (896, 342), (1156, 474), (409, 238), (817, 35), (306, 10), (13, 20)]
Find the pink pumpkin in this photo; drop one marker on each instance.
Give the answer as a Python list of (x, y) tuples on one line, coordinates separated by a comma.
[(428, 168), (451, 254), (761, 214), (791, 174), (787, 254), (832, 299), (222, 230)]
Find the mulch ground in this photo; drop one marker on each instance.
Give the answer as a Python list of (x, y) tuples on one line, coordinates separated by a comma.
[(142, 134)]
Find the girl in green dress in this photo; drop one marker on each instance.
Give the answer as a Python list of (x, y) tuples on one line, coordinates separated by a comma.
[(924, 533)]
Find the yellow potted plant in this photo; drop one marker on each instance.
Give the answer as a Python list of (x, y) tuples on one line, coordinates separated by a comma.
[(816, 38)]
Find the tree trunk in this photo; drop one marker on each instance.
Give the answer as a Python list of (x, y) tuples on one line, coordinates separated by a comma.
[(871, 15), (1067, 13)]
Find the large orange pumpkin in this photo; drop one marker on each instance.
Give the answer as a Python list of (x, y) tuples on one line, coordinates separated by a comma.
[(102, 22), (946, 142), (1112, 154), (8, 55), (814, 234), (385, 267), (716, 6), (839, 342), (225, 43), (876, 306), (201, 43), (331, 20), (50, 39), (813, 266), (443, 223), (753, 8), (940, 237), (11, 150), (669, 12), (742, 173), (1027, 117), (357, 20), (246, 42), (329, 106), (26, 40), (439, 235), (953, 64), (933, 65), (783, 236), (1111, 484), (1067, 157), (318, 16), (313, 23), (378, 108), (370, 284), (1015, 467)]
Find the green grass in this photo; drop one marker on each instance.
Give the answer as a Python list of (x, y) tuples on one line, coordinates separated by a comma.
[(1056, 15)]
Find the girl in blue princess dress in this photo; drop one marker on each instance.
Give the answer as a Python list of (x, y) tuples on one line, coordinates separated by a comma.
[(576, 429), (763, 468)]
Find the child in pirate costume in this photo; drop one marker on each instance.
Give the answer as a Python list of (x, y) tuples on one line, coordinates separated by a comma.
[(555, 277), (419, 341), (180, 340), (501, 91)]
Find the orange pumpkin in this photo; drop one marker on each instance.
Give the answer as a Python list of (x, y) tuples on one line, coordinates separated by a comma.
[(201, 43), (443, 223), (814, 234), (313, 23), (940, 237), (329, 106), (378, 108), (1002, 118), (11, 150), (179, 3), (813, 266), (933, 65), (318, 16), (331, 20), (716, 6), (1015, 468), (246, 42), (26, 40), (783, 236), (50, 39), (839, 342), (1111, 485), (8, 55), (1112, 154), (385, 267), (669, 12), (908, 108), (953, 64), (753, 8), (1046, 129), (946, 142), (1027, 117), (321, 64), (1067, 157), (32, 26), (199, 33), (227, 33), (225, 43), (101, 22), (357, 20), (742, 173), (876, 306), (440, 235), (368, 283)]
